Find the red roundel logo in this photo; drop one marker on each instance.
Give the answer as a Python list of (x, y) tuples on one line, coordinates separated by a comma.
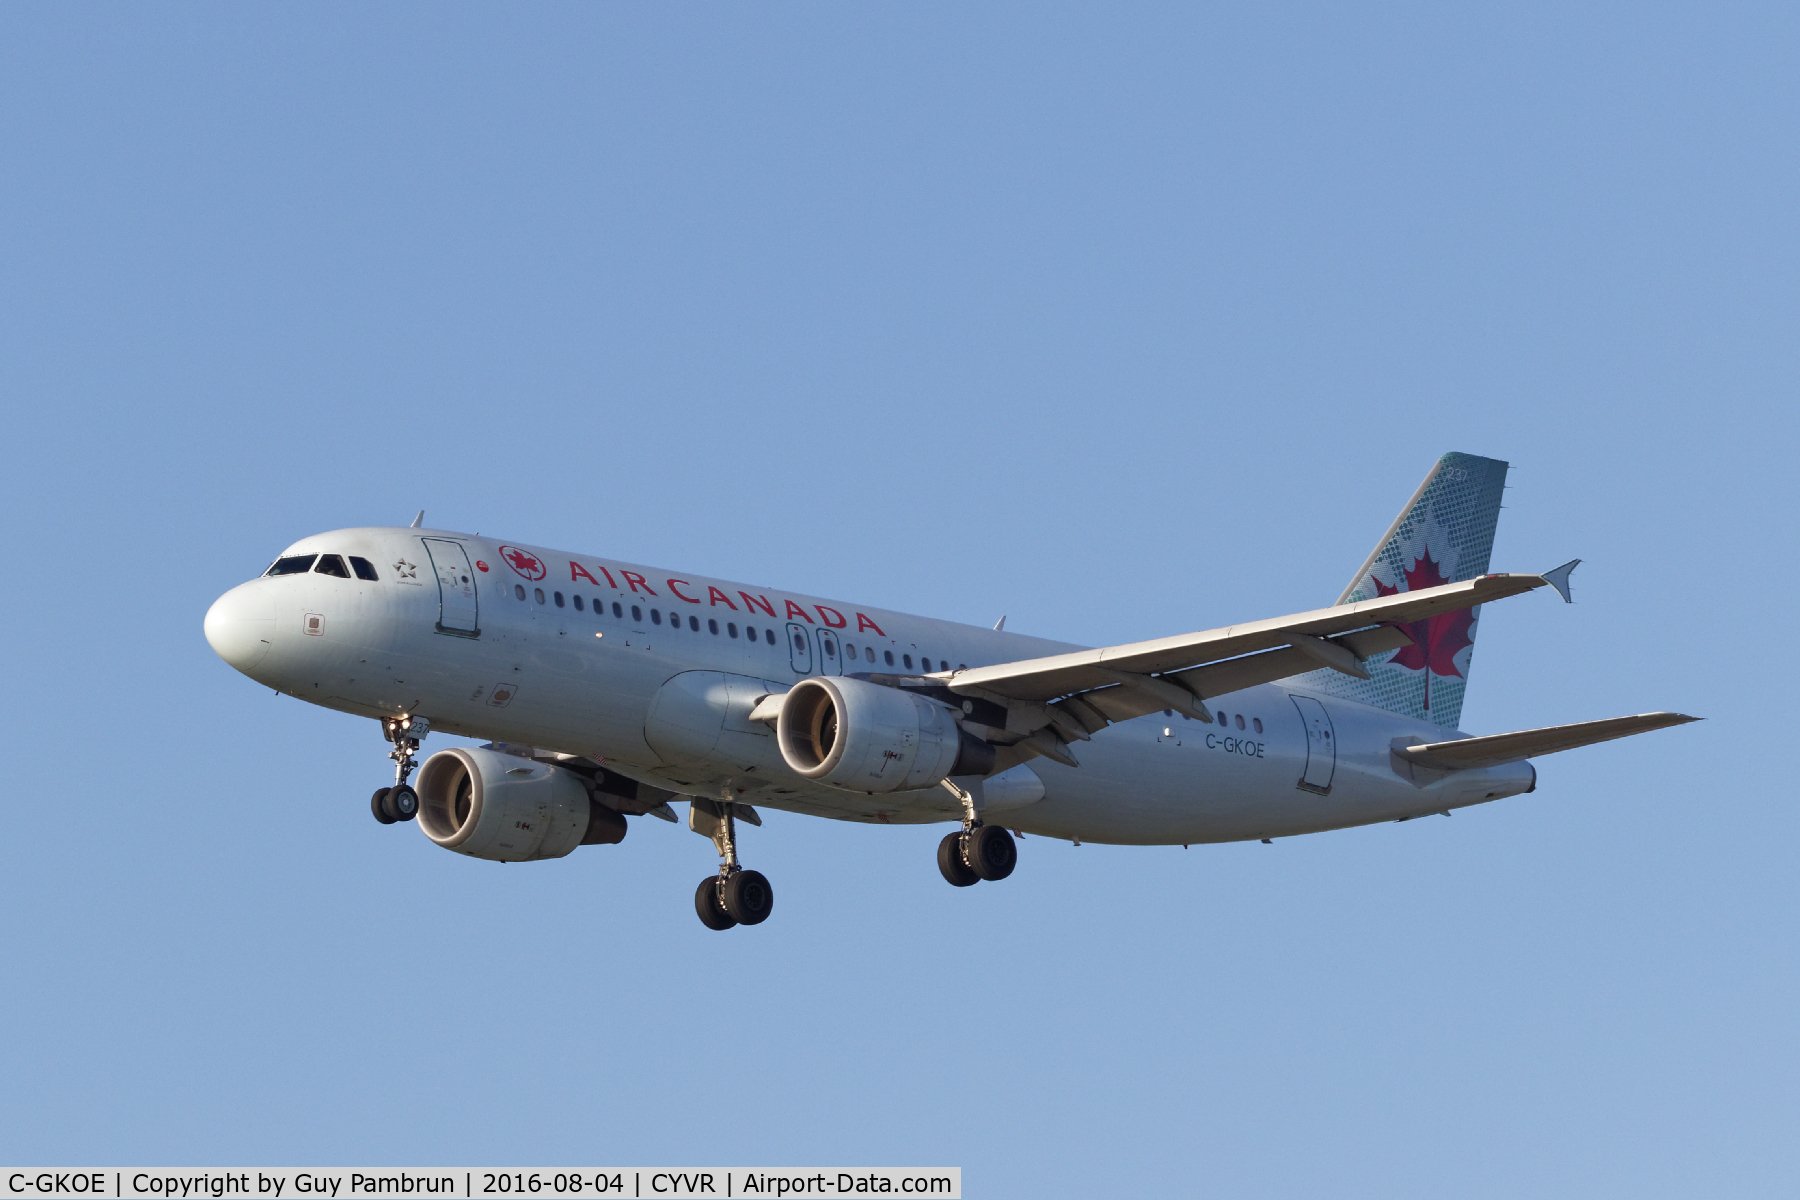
[(524, 562), (481, 566)]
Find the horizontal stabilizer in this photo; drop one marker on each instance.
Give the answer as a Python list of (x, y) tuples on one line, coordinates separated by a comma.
[(1499, 748)]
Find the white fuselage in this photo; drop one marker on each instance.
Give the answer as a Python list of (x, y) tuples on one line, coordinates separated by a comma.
[(661, 701)]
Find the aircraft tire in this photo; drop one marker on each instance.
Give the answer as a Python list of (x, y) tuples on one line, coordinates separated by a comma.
[(378, 806), (950, 862), (706, 905), (992, 853), (749, 898), (403, 802)]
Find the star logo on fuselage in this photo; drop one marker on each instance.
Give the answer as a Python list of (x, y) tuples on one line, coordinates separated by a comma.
[(406, 570)]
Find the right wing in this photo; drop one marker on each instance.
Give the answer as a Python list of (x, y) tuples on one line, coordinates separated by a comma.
[(1067, 697)]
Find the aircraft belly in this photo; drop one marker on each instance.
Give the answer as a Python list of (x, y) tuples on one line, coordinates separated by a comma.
[(1204, 784)]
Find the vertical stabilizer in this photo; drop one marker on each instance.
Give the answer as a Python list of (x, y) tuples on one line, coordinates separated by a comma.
[(1443, 535)]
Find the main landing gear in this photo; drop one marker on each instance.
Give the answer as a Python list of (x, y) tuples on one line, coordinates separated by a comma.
[(400, 802), (976, 851), (734, 896)]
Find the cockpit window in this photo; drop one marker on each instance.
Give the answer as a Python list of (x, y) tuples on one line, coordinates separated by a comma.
[(297, 564), (332, 564), (364, 568)]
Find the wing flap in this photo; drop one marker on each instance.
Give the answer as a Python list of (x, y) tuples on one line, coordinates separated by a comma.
[(1500, 748)]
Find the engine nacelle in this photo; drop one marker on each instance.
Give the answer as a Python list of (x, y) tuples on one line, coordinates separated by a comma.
[(497, 806), (864, 737)]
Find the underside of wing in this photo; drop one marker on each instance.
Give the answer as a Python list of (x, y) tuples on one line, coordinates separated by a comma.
[(1052, 701), (1497, 749)]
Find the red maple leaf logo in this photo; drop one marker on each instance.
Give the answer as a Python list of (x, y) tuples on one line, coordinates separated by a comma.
[(528, 565), (1436, 641)]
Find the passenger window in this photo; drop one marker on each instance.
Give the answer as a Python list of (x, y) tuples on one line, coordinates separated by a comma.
[(850, 651), (800, 642), (618, 611), (730, 628), (364, 568), (712, 626), (907, 659), (577, 599), (332, 564), (559, 600), (539, 593), (694, 624), (519, 590), (889, 655), (298, 564), (1257, 721), (656, 616), (1240, 720), (769, 636), (830, 652), (637, 614)]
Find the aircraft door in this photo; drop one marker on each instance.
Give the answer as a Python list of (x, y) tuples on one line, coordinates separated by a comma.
[(831, 654), (457, 607), (800, 655), (1321, 746)]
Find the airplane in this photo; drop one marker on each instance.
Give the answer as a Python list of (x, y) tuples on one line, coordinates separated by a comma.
[(606, 690)]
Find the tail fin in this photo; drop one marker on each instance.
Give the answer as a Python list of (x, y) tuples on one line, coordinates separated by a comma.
[(1444, 534)]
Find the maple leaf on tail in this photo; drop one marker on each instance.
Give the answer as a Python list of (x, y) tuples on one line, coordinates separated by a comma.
[(1436, 641)]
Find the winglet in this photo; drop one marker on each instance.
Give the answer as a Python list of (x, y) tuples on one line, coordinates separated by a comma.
[(1000, 624), (1559, 579), (418, 520)]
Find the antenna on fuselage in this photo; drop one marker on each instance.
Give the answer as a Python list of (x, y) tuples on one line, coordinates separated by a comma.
[(420, 520), (1000, 624)]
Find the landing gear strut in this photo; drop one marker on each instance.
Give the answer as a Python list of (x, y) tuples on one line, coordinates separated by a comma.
[(734, 896), (400, 802), (977, 851)]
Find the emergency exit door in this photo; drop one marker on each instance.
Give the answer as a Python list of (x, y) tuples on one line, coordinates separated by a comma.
[(457, 607), (800, 655), (831, 654), (1321, 745)]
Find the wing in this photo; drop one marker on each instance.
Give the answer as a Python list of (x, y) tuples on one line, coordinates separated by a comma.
[(1052, 701), (1492, 751)]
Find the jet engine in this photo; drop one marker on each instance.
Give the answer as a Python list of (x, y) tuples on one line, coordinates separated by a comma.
[(497, 806), (864, 737)]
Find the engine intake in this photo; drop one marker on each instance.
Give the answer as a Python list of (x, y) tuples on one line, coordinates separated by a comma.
[(864, 737), (497, 806)]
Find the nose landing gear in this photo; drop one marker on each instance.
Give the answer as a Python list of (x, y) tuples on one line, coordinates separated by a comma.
[(734, 896), (977, 851), (400, 802)]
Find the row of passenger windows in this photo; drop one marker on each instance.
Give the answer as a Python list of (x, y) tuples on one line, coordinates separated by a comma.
[(751, 632), (326, 564)]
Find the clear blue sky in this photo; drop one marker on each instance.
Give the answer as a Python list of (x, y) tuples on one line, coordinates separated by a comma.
[(1122, 322)]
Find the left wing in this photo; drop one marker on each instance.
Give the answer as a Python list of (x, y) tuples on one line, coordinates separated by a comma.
[(1061, 698)]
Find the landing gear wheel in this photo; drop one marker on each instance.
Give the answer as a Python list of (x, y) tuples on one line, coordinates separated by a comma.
[(378, 805), (991, 852), (749, 898), (950, 862), (403, 802), (706, 904)]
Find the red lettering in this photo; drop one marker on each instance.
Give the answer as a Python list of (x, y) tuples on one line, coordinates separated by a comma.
[(609, 579), (863, 623), (577, 571), (637, 581), (752, 603), (794, 610), (677, 591), (826, 614), (715, 595)]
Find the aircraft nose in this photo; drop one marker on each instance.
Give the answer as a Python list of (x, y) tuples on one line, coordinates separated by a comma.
[(241, 625)]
